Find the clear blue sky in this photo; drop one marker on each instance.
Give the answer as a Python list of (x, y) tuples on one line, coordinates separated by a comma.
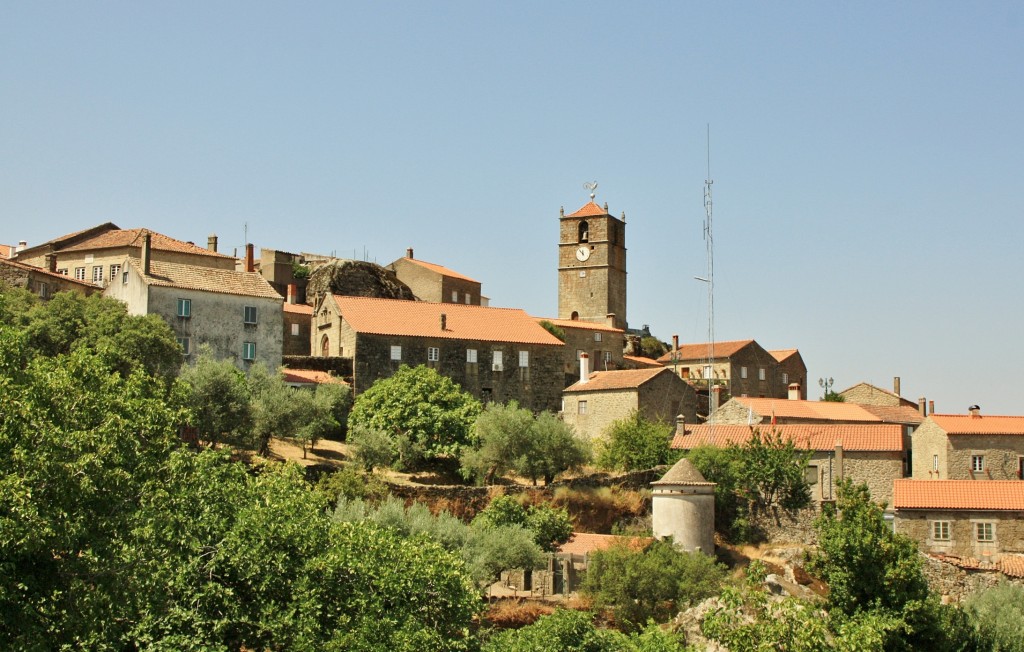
[(867, 156)]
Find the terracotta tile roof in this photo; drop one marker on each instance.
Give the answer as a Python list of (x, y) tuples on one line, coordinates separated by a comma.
[(586, 325), (965, 424), (207, 279), (820, 410), (134, 238), (310, 376), (783, 354), (440, 269), (895, 413), (978, 495), (423, 319), (806, 436), (1012, 565), (106, 226), (683, 472), (584, 543), (619, 379), (590, 209), (45, 272), (6, 251), (700, 351), (298, 308), (641, 361)]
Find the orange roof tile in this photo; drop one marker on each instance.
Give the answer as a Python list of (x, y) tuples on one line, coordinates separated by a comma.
[(584, 543), (6, 251), (619, 379), (642, 361), (590, 209), (586, 325), (979, 495), (966, 424), (423, 319), (106, 226), (1012, 565), (207, 279), (440, 269), (700, 351), (782, 354), (134, 238), (806, 436), (310, 376), (821, 410), (895, 413), (298, 308)]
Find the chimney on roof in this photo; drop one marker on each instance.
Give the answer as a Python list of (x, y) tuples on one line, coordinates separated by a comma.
[(794, 391), (931, 407), (896, 385), (716, 397), (839, 460), (408, 252), (922, 406), (444, 322), (250, 266), (211, 242), (680, 424), (609, 319), (22, 246), (584, 368), (975, 411), (675, 344), (147, 253), (51, 262), (293, 289)]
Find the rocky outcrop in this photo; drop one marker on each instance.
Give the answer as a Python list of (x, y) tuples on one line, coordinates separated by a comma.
[(357, 278)]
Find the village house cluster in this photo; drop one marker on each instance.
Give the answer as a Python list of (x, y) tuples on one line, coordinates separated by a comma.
[(953, 482)]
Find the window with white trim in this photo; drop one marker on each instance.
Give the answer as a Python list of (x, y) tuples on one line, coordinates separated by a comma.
[(184, 308), (396, 352), (455, 296), (597, 337), (985, 532), (249, 351), (978, 463), (581, 407), (124, 277), (785, 379), (940, 530), (63, 271), (760, 373), (471, 356), (97, 273), (186, 345), (524, 359), (496, 361), (467, 299), (743, 372), (433, 354), (935, 462), (249, 315), (295, 330), (114, 271), (80, 273)]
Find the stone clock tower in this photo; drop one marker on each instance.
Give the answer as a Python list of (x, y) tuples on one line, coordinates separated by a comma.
[(592, 265)]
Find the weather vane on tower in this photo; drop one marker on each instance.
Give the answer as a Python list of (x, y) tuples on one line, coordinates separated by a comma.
[(591, 186)]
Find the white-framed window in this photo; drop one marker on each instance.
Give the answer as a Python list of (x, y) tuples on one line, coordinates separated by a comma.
[(63, 271), (496, 361), (607, 356), (248, 350), (249, 314), (186, 345), (581, 407), (114, 271), (80, 273), (468, 301), (597, 337), (455, 296), (935, 462), (295, 330), (433, 354), (707, 371), (743, 372), (97, 273), (985, 532), (184, 308), (524, 359), (940, 530), (760, 373), (978, 463), (396, 352), (785, 379), (471, 355), (124, 278)]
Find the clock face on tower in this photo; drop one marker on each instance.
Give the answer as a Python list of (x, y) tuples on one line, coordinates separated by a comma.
[(582, 253)]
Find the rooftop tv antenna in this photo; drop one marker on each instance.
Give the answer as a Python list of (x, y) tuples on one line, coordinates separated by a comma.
[(709, 241), (591, 186)]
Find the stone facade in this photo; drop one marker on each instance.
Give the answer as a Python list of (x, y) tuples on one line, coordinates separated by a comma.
[(297, 329), (791, 369), (962, 541), (604, 344), (938, 455), (592, 266), (868, 394), (741, 367), (435, 283), (876, 469), (40, 281)]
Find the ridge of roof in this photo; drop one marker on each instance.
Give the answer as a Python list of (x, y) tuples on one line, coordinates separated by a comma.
[(980, 495), (879, 437), (983, 424), (617, 379), (800, 409), (205, 279), (109, 226), (782, 354), (134, 238), (440, 269), (699, 351), (590, 209)]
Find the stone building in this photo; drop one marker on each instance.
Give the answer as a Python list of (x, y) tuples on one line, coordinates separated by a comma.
[(969, 447), (874, 454), (739, 367), (297, 322), (887, 405), (750, 411), (601, 398), (962, 518), (683, 507), (96, 254), (42, 282), (496, 354), (237, 314), (592, 266), (791, 369), (436, 283), (602, 342)]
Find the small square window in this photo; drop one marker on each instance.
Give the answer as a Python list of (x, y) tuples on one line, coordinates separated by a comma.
[(581, 407), (743, 372), (186, 345), (940, 530), (396, 352), (184, 308), (249, 350), (295, 330), (597, 337), (524, 358), (978, 463), (471, 355), (249, 315), (433, 354), (985, 532)]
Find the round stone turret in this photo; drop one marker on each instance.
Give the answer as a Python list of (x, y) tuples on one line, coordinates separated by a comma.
[(683, 506)]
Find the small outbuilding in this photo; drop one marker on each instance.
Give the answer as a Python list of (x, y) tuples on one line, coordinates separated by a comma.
[(683, 507)]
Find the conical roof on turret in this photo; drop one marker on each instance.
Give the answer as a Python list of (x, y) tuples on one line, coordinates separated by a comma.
[(683, 473)]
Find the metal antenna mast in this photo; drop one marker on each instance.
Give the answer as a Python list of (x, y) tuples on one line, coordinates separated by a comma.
[(709, 241)]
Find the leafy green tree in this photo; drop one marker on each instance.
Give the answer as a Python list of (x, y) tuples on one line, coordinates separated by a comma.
[(550, 526), (574, 631), (652, 347), (654, 583), (277, 409), (557, 449), (723, 466), (634, 443), (374, 448), (557, 331), (219, 399), (317, 412), (833, 397), (417, 402), (503, 434), (996, 615), (771, 471)]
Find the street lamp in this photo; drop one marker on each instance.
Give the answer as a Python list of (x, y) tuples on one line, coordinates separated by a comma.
[(826, 384)]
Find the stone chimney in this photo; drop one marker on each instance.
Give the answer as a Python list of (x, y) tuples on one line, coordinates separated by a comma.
[(896, 385), (681, 424), (147, 253), (293, 289), (408, 252), (839, 460), (794, 391), (975, 411), (584, 368), (922, 406), (22, 246), (444, 322), (716, 397), (931, 407), (211, 242), (609, 320), (250, 266), (675, 343), (51, 262)]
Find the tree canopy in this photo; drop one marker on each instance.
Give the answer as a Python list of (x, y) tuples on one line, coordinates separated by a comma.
[(635, 443)]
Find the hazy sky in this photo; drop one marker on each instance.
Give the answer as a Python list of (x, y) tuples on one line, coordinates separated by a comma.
[(866, 156)]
